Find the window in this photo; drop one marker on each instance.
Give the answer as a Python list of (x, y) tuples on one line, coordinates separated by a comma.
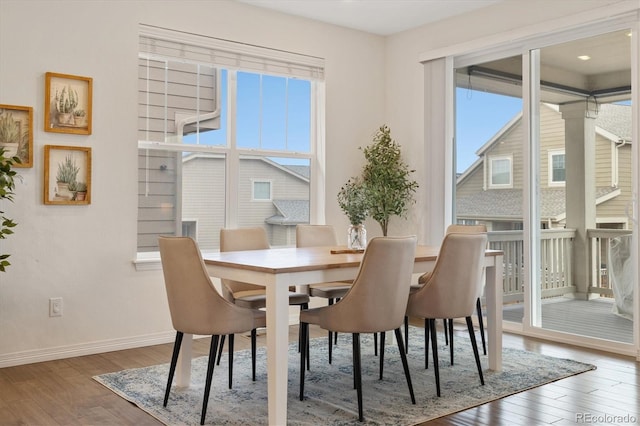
[(557, 171), (261, 190), (220, 130), (189, 229), (500, 172)]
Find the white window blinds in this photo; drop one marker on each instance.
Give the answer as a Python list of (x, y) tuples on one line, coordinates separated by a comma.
[(186, 47)]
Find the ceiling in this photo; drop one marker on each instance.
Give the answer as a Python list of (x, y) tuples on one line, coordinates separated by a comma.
[(382, 17), (564, 77)]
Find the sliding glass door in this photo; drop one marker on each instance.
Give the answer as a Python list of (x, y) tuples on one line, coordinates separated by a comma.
[(544, 157)]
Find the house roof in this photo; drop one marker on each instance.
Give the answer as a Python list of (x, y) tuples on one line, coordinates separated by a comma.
[(506, 204), (290, 212), (615, 119)]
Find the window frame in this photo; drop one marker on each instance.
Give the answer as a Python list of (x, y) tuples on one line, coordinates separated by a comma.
[(233, 154), (493, 158), (550, 154), (254, 181)]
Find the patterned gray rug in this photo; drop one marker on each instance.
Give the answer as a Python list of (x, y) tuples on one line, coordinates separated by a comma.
[(330, 397)]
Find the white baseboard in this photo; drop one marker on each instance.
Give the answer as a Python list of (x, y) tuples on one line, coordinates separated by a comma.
[(91, 348)]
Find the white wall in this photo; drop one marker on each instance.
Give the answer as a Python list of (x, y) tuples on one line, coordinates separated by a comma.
[(84, 253)]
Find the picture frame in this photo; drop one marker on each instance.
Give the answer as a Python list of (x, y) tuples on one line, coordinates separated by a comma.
[(68, 104), (16, 133), (67, 175)]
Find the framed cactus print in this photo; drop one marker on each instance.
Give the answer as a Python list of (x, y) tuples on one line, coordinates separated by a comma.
[(16, 133), (67, 175), (67, 103)]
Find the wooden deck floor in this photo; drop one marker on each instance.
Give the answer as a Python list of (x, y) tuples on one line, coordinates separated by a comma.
[(591, 318)]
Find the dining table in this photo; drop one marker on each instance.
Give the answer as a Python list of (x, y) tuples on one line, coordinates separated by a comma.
[(278, 268)]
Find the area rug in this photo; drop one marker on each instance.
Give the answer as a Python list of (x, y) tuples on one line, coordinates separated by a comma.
[(330, 398)]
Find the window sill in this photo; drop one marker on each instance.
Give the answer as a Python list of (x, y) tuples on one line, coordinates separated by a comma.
[(147, 262)]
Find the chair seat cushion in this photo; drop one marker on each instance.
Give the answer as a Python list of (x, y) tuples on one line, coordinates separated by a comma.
[(333, 290), (257, 299)]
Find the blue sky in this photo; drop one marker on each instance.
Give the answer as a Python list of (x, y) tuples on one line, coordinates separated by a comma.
[(479, 116), (272, 114)]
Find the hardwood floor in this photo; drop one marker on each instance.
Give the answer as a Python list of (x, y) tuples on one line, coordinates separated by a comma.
[(62, 392)]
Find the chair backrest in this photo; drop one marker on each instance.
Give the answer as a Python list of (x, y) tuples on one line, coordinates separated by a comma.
[(252, 238), (466, 229), (315, 236), (195, 305), (377, 300), (456, 281)]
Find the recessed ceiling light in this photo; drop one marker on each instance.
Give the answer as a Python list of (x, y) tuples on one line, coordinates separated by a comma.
[(584, 57)]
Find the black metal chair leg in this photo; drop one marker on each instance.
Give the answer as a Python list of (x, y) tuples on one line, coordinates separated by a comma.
[(383, 336), (254, 334), (406, 334), (174, 362), (444, 325), (375, 344), (357, 373), (231, 341), (450, 331), (474, 344), (304, 327), (211, 365), (330, 338), (481, 325), (434, 351), (303, 306), (220, 348), (335, 333), (405, 364), (427, 326)]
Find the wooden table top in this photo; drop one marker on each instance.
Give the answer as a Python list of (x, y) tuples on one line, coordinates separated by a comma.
[(292, 259)]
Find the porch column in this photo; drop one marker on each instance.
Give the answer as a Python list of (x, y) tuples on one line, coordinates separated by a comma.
[(580, 154)]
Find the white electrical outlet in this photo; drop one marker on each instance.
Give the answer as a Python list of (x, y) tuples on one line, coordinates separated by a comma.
[(55, 307)]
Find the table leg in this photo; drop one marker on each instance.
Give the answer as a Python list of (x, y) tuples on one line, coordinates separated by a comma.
[(183, 369), (277, 352), (494, 313)]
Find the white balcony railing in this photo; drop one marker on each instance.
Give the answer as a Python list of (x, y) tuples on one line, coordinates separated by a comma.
[(556, 252)]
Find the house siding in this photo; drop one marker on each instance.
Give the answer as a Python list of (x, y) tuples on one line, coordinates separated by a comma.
[(284, 186), (552, 137), (203, 198), (190, 91), (156, 187)]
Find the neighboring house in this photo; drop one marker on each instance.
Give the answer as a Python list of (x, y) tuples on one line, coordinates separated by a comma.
[(272, 195), (490, 190)]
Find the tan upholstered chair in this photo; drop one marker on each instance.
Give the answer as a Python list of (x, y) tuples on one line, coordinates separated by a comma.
[(448, 325), (244, 294), (197, 308), (250, 295), (451, 290), (320, 236), (375, 303)]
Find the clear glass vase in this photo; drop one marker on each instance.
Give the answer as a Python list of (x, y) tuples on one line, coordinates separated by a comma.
[(356, 237)]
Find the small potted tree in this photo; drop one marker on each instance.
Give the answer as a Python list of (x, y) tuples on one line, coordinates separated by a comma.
[(387, 179), (7, 185)]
